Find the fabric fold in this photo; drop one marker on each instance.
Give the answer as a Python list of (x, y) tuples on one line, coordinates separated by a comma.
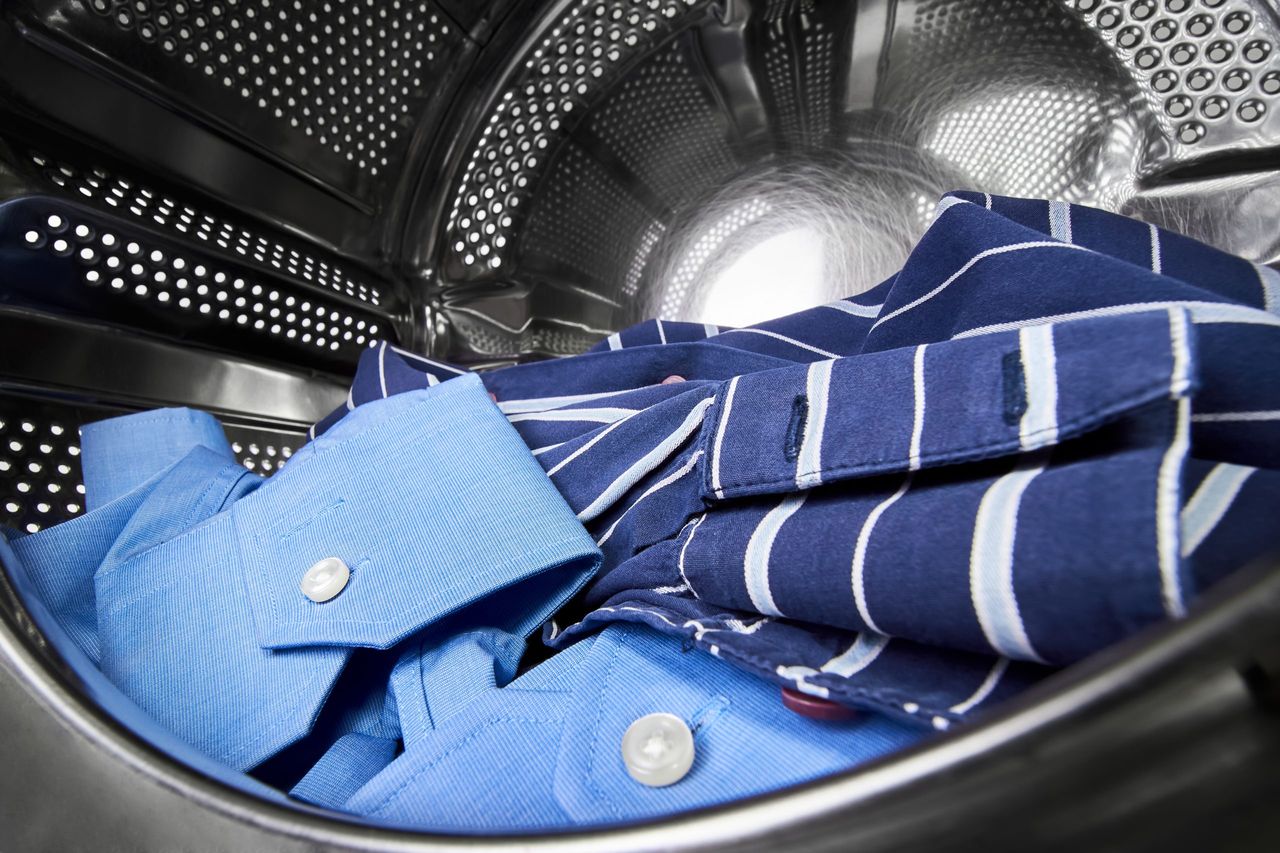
[(433, 537)]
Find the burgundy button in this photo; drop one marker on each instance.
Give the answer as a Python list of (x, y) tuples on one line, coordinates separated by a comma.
[(493, 396), (672, 380), (815, 708)]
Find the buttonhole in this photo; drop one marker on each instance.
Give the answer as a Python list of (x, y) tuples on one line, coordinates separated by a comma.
[(1015, 388), (298, 528), (706, 715), (795, 429)]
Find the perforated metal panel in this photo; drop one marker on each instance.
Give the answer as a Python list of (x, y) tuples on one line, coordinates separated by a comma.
[(818, 72), (573, 63), (118, 195), (664, 126), (1020, 97), (800, 75), (333, 88), (41, 483), (778, 82), (59, 254), (579, 194), (482, 336), (1209, 70), (691, 267), (40, 480)]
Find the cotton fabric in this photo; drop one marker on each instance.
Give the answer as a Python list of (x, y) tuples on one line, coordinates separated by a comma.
[(1054, 427)]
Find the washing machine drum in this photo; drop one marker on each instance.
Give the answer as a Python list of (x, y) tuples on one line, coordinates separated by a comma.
[(222, 203)]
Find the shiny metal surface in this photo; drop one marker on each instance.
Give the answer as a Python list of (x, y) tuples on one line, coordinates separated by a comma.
[(727, 162), (59, 374)]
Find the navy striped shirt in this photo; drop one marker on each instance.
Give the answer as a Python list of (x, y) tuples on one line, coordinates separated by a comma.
[(1052, 428)]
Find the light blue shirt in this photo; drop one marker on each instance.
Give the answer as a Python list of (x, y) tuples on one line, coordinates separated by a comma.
[(182, 583)]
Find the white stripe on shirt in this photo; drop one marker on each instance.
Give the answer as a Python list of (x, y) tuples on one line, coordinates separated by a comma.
[(545, 404), (756, 560), (858, 579), (1236, 417), (587, 445), (1039, 425), (615, 341), (1202, 313), (1180, 374), (858, 569), (984, 689), (1168, 494), (685, 547), (801, 344), (991, 561), (868, 312), (382, 369), (646, 463), (662, 333), (548, 448), (1270, 280), (946, 203), (1210, 503), (661, 484), (809, 459), (710, 329), (797, 675), (858, 656), (981, 256), (719, 442), (1060, 221), (917, 416), (599, 416), (1157, 262)]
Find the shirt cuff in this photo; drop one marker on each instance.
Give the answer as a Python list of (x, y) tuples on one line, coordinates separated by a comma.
[(434, 503), (120, 454), (900, 410)]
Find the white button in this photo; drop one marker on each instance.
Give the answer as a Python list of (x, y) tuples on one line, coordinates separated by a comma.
[(325, 579), (658, 750)]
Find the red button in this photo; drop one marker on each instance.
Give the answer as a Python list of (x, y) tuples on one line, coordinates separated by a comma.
[(815, 708), (493, 396), (672, 380)]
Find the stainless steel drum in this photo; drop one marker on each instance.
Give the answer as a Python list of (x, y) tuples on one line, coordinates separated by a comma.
[(222, 203), (728, 162)]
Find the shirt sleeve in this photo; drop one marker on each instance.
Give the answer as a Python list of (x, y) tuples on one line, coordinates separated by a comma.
[(430, 499), (120, 454)]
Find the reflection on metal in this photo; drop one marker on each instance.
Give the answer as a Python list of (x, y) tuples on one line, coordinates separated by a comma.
[(1237, 212), (720, 127), (847, 219), (1208, 71)]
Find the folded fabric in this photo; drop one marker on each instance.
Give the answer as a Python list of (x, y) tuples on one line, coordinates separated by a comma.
[(543, 753), (1048, 431), (194, 572), (1053, 428)]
